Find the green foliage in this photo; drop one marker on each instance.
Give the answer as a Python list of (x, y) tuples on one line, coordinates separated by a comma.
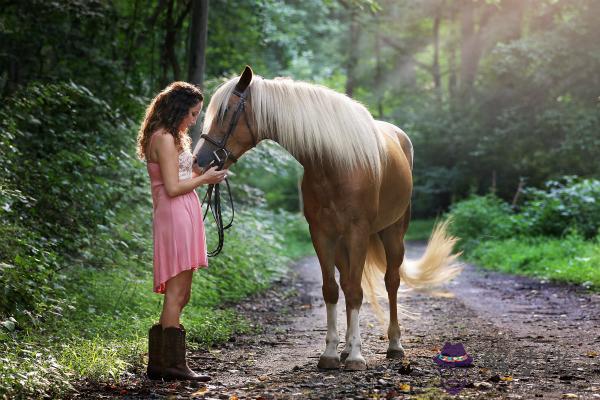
[(268, 175), (68, 159), (569, 259), (555, 235), (68, 170), (565, 205), (479, 219), (568, 204), (420, 229)]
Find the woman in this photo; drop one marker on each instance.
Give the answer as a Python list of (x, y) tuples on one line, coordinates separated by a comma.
[(178, 230)]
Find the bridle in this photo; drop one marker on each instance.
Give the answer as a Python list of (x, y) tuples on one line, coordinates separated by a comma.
[(221, 155)]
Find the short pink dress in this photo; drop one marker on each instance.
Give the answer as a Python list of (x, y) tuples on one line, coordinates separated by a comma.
[(178, 229)]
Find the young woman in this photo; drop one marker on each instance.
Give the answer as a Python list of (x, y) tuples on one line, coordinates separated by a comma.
[(178, 230)]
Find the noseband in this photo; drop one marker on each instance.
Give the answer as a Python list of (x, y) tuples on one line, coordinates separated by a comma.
[(222, 153)]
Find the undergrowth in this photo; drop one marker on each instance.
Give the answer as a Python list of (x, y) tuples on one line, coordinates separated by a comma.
[(101, 332)]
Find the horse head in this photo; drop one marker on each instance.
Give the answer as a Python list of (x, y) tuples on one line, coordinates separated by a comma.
[(228, 131)]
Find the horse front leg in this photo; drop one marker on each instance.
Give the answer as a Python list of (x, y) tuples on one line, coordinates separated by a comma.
[(325, 248), (356, 248)]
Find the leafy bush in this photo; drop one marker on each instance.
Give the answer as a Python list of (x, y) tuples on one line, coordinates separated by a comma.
[(566, 204), (67, 156), (481, 218), (67, 170)]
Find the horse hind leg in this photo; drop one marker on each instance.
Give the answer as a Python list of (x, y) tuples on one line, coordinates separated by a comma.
[(350, 279), (393, 242), (325, 247)]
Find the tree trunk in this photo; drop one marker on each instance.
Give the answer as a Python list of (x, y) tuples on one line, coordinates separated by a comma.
[(198, 35), (437, 78), (378, 77), (470, 48), (168, 47), (352, 53), (197, 55)]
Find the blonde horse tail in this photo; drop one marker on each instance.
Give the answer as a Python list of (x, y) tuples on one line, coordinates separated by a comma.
[(373, 272), (437, 266)]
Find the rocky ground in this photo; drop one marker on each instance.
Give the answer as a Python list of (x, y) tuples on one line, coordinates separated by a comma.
[(528, 338)]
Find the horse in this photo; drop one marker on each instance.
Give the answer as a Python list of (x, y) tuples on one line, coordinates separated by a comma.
[(356, 191)]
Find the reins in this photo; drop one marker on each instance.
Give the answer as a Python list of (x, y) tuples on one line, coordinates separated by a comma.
[(221, 155), (213, 195)]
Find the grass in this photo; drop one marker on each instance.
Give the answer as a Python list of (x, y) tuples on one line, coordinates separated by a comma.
[(420, 229), (570, 259), (101, 332)]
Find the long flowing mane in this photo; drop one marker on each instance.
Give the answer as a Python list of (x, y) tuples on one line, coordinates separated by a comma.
[(310, 121)]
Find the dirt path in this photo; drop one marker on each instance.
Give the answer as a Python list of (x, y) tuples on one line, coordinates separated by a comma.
[(529, 339)]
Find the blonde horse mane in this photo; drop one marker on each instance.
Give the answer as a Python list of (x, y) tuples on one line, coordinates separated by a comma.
[(310, 121)]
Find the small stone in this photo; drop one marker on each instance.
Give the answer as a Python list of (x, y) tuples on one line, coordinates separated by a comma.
[(483, 385)]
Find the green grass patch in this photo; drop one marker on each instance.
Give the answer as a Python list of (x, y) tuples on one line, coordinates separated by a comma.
[(420, 229), (570, 259), (101, 331)]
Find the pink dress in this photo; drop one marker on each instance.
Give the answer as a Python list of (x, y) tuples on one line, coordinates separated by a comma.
[(178, 229)]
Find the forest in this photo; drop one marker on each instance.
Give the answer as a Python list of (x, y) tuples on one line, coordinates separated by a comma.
[(501, 99)]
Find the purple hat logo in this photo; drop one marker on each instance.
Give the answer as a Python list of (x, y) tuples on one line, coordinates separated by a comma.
[(452, 356), (453, 361)]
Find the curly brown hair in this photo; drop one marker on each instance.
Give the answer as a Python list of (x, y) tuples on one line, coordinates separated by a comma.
[(166, 111)]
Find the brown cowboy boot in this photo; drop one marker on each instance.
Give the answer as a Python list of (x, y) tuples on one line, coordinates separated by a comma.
[(155, 352), (174, 360)]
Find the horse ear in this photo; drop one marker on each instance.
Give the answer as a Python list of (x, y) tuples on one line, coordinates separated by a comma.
[(245, 80)]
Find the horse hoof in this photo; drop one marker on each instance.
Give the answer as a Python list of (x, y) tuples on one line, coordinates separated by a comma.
[(328, 362), (355, 365), (395, 354), (344, 355)]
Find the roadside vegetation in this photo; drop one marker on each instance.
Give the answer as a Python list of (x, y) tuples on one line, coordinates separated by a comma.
[(553, 235)]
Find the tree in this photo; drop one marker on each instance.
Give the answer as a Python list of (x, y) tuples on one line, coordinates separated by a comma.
[(198, 34)]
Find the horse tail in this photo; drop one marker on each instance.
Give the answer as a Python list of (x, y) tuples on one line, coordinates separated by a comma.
[(437, 266), (374, 269)]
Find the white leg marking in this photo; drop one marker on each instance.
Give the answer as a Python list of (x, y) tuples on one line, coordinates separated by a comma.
[(394, 336), (354, 339), (331, 339), (347, 345)]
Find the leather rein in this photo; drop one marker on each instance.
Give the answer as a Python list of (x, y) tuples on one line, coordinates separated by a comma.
[(220, 156)]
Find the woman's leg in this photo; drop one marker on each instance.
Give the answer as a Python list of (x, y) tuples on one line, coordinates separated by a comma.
[(176, 295)]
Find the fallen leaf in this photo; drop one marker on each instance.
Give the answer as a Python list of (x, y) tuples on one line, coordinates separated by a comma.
[(404, 387), (591, 354), (507, 378), (263, 378), (200, 392), (234, 397), (570, 396)]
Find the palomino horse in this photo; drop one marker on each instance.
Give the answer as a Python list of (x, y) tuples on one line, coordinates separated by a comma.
[(356, 189)]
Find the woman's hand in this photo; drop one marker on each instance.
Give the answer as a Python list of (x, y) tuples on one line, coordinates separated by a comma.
[(212, 175)]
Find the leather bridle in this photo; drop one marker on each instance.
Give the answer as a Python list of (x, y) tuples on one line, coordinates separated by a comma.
[(222, 153)]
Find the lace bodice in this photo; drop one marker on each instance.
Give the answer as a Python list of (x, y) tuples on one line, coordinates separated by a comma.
[(186, 160)]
